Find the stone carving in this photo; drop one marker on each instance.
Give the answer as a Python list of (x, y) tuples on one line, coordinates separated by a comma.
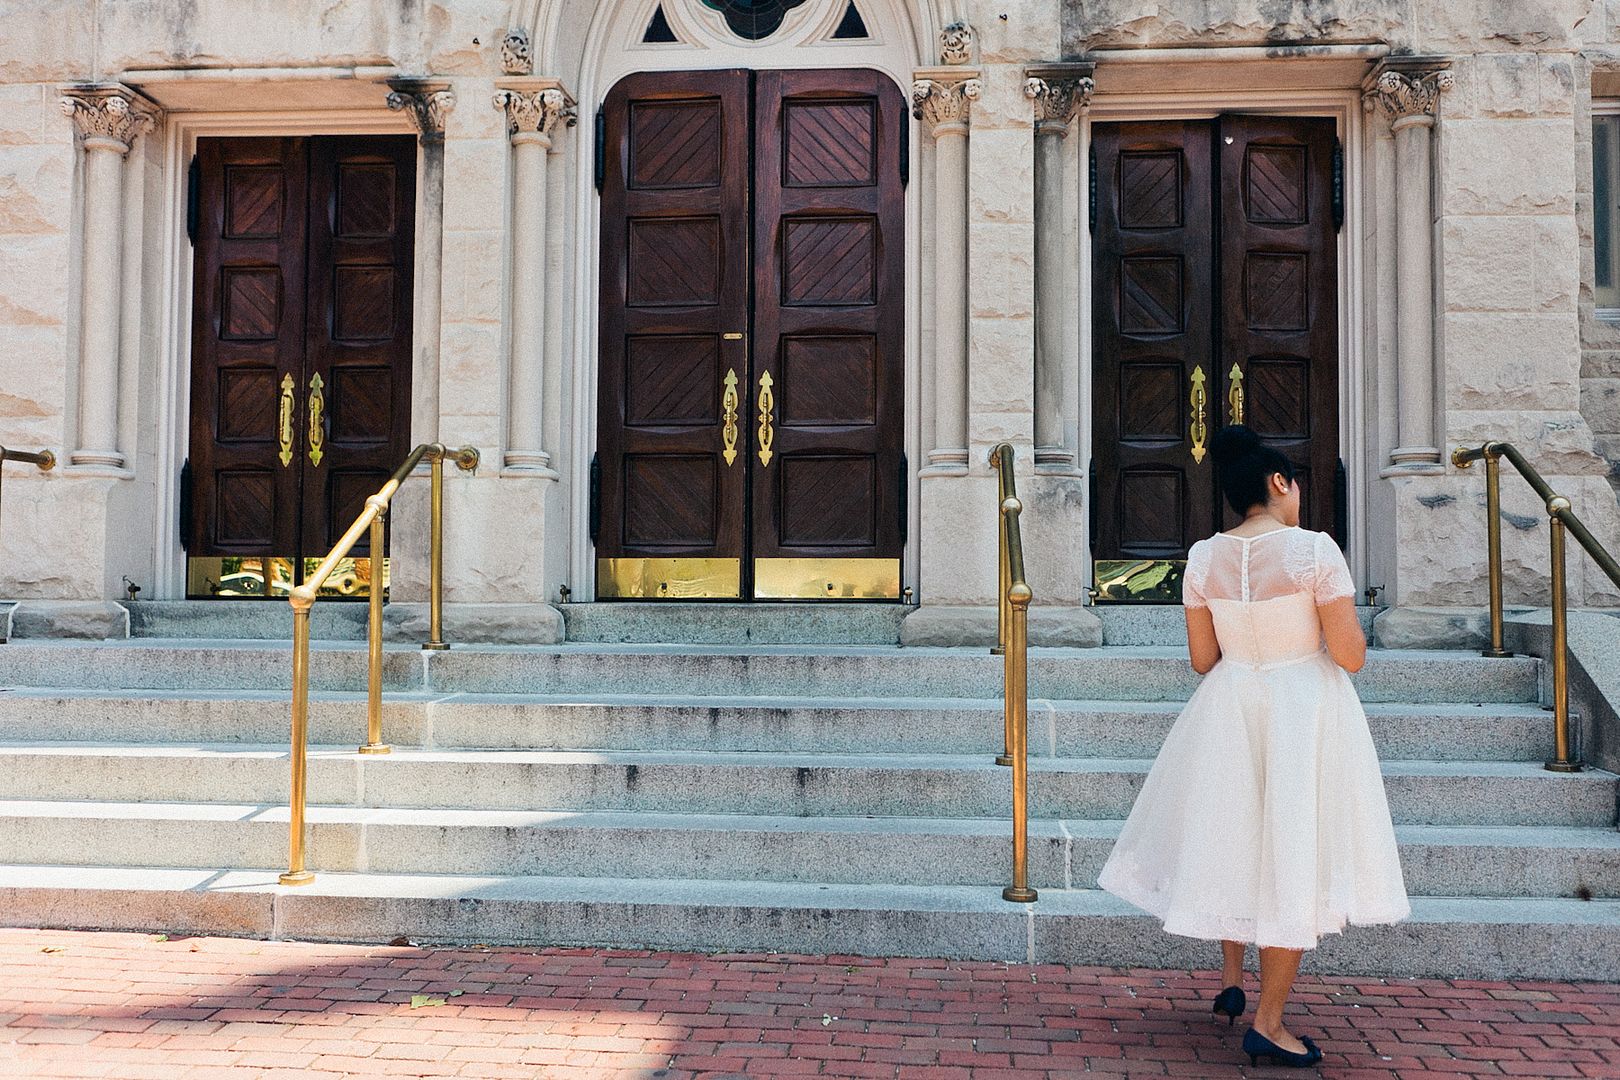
[(1056, 101), (429, 106), (956, 43), (942, 103), (1401, 95), (517, 58), (107, 119), (537, 113)]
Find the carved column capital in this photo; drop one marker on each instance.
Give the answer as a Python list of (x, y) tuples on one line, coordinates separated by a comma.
[(944, 103), (957, 43), (107, 117), (1057, 92), (517, 56), (535, 109), (429, 104), (1408, 89)]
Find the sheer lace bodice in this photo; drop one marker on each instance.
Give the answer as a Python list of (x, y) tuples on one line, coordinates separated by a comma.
[(1262, 591)]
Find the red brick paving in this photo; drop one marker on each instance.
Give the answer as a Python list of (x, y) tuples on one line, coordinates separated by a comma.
[(133, 1005)]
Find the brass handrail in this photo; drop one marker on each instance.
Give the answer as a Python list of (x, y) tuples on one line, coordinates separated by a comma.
[(303, 599), (43, 458), (1012, 642), (1560, 517)]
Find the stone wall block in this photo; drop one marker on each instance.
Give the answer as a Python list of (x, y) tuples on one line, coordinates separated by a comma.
[(1557, 443), (34, 182), (31, 395), (1001, 176), (1483, 166), (1600, 364), (1556, 253), (461, 36), (470, 352), (1501, 361), (1506, 85), (1595, 503), (1600, 404), (1001, 271), (1015, 31), (472, 283), (25, 109), (959, 537), (33, 282), (1488, 265), (46, 41), (1001, 365), (1099, 24), (474, 182), (69, 567), (1558, 87)]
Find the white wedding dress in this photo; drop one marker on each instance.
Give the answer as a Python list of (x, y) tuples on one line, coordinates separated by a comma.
[(1264, 819)]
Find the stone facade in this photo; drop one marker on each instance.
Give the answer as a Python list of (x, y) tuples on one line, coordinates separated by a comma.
[(1471, 311)]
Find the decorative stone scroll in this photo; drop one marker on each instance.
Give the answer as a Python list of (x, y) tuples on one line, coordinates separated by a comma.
[(1057, 99), (517, 57), (957, 43), (944, 104), (538, 113), (428, 104), (1403, 94), (108, 118)]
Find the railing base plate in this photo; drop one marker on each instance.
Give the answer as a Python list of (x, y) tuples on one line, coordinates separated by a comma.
[(1564, 766), (1019, 896), (302, 877), (1003, 759), (435, 646), (1496, 654), (375, 748)]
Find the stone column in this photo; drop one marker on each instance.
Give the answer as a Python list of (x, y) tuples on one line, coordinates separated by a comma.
[(1407, 91), (428, 103), (106, 122), (535, 108), (1058, 93), (942, 98)]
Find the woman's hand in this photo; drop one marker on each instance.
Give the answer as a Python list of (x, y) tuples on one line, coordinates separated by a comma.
[(1342, 631), (1201, 643)]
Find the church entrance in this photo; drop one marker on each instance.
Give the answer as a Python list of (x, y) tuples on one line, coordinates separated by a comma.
[(751, 363), (1214, 302)]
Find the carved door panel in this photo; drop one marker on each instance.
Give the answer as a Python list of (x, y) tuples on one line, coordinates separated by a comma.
[(1153, 404), (301, 343), (672, 451), (829, 340), (1280, 333)]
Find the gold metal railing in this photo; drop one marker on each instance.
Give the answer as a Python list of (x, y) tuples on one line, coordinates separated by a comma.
[(303, 600), (42, 458), (1560, 518), (1012, 643)]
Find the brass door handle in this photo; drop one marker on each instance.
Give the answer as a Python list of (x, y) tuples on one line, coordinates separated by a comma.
[(728, 408), (1234, 396), (317, 418), (1200, 402), (767, 410), (284, 423)]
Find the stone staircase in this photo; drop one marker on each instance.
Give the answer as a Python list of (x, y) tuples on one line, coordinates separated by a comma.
[(793, 797)]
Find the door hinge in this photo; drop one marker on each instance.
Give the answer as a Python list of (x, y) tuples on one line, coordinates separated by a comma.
[(1338, 185), (185, 505), (905, 493), (1091, 190), (193, 199), (905, 147), (596, 497), (1341, 506), (601, 149)]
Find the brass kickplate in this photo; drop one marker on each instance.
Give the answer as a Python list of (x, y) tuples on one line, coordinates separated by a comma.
[(252, 577), (827, 579), (668, 579), (1138, 581)]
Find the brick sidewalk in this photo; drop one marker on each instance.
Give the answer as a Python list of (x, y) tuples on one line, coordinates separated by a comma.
[(131, 1005)]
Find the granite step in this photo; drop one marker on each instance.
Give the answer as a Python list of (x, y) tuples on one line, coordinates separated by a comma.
[(1470, 937)]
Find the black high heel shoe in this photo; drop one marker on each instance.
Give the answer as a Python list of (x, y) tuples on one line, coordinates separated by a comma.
[(1258, 1046), (1231, 1002)]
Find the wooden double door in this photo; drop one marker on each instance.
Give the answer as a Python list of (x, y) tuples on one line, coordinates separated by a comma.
[(300, 354), (1215, 301), (751, 371)]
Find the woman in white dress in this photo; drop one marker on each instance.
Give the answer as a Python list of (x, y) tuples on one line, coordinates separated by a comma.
[(1264, 818)]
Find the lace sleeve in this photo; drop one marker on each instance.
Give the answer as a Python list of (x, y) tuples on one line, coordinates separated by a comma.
[(1333, 581), (1192, 581)]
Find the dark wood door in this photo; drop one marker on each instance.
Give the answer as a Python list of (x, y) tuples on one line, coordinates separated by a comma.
[(1279, 302), (829, 333), (301, 341), (1214, 301), (750, 418)]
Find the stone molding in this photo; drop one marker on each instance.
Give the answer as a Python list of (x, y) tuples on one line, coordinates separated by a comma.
[(1058, 92), (517, 55), (944, 98), (535, 108), (429, 104), (107, 117), (957, 44), (1408, 89)]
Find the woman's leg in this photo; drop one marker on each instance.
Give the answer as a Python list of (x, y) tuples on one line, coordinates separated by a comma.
[(1277, 970), (1232, 963)]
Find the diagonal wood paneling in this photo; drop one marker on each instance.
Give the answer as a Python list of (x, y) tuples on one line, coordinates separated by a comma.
[(250, 303), (829, 143), (1151, 394), (675, 144), (362, 303), (244, 508), (670, 500), (829, 261), (1150, 294), (673, 261), (827, 501), (248, 405), (365, 201), (1274, 185), (255, 200), (1275, 291), (359, 401), (1150, 190), (828, 380), (672, 380), (1152, 503), (1278, 398)]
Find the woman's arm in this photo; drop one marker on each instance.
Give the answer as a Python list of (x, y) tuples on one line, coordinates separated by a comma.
[(1201, 643), (1342, 631)]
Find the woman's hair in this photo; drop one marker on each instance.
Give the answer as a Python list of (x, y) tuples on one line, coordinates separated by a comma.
[(1245, 466)]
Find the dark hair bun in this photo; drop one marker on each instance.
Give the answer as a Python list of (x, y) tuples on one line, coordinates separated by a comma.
[(1233, 442)]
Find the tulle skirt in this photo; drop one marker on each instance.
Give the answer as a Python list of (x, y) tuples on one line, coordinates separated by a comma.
[(1264, 818)]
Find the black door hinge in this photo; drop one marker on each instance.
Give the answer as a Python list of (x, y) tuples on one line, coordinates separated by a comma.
[(601, 149), (1091, 190), (596, 497), (905, 147), (185, 505), (1338, 185), (193, 199), (1341, 506), (905, 494)]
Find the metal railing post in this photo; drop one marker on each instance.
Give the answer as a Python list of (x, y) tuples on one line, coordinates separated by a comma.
[(435, 641), (302, 599), (1493, 512), (1017, 681), (374, 643), (1561, 762)]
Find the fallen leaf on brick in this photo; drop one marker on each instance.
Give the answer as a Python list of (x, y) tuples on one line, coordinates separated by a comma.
[(423, 1001)]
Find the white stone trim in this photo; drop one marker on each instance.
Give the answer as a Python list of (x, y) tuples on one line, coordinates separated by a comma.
[(1344, 106), (174, 347)]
